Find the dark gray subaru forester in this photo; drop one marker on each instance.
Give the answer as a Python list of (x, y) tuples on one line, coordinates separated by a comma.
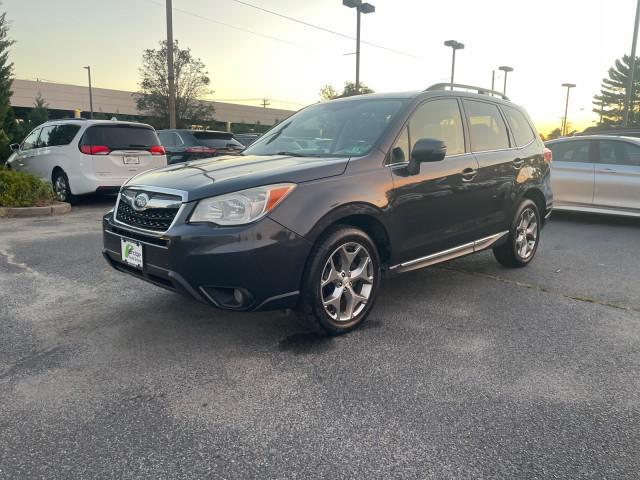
[(313, 213)]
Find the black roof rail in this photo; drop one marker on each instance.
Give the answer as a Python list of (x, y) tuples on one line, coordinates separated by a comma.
[(480, 90)]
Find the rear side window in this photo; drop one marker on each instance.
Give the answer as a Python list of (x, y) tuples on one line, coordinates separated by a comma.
[(57, 135), (486, 126), (170, 139), (216, 139), (439, 119), (574, 151), (520, 127), (121, 136)]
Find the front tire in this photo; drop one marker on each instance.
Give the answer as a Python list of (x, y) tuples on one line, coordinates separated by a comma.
[(524, 237), (61, 187), (341, 281)]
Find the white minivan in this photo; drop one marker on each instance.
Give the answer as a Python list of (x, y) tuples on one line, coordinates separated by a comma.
[(84, 156)]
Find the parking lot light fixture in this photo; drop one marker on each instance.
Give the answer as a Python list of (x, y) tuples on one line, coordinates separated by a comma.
[(455, 45), (568, 86), (506, 69), (361, 7), (88, 69)]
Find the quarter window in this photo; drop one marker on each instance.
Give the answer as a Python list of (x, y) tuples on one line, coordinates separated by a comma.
[(441, 120), (520, 127), (62, 134), (486, 126), (400, 149), (170, 139)]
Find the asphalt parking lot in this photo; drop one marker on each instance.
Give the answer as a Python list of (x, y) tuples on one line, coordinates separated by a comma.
[(466, 370)]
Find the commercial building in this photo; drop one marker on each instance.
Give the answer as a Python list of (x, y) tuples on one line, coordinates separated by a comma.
[(64, 99)]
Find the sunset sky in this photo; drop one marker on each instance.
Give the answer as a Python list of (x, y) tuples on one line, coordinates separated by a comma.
[(547, 42)]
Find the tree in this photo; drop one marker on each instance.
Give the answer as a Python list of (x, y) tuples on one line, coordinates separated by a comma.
[(328, 92), (191, 82), (6, 79), (609, 104), (39, 113)]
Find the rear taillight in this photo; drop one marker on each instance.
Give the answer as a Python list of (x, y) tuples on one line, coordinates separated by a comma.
[(95, 149), (207, 150), (548, 155), (157, 150)]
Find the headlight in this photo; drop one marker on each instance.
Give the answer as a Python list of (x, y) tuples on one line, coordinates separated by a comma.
[(242, 207)]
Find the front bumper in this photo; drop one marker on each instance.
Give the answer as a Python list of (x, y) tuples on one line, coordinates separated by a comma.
[(264, 260)]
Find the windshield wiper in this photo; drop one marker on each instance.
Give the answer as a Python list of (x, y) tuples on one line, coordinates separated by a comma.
[(290, 154)]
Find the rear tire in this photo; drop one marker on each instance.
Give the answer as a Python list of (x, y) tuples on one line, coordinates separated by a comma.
[(61, 187), (341, 282), (524, 237)]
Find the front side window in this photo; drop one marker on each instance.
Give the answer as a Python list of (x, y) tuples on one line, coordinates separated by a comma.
[(335, 129), (486, 126), (30, 142), (520, 127), (618, 153), (574, 151), (440, 120)]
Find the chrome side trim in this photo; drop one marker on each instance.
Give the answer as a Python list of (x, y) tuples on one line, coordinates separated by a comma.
[(449, 254)]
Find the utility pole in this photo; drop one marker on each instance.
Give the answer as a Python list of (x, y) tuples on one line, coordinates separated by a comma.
[(455, 45), (493, 80), (632, 70), (506, 69), (170, 73), (360, 8), (569, 86), (88, 68), (265, 102)]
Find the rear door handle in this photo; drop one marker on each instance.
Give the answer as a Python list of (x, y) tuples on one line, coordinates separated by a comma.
[(469, 174), (518, 162)]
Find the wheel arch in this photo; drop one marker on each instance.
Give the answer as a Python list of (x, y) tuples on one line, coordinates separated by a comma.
[(364, 216), (536, 195)]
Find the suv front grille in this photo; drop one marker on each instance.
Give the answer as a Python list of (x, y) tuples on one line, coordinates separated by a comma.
[(156, 219)]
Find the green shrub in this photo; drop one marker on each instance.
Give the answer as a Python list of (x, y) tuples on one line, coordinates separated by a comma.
[(19, 189)]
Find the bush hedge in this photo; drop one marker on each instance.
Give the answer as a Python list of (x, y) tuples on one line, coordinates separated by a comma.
[(20, 189)]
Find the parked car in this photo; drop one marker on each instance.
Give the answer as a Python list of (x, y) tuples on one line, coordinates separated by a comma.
[(187, 145), (313, 213), (246, 139), (84, 156), (597, 174)]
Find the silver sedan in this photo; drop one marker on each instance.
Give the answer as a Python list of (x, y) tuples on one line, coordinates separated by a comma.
[(597, 174)]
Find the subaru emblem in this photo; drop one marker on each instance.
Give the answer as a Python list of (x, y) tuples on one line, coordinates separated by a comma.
[(140, 202)]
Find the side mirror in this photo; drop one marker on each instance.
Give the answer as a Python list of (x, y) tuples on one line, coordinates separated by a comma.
[(428, 150), (14, 147)]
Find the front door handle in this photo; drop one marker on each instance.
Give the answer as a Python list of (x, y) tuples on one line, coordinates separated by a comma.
[(469, 174), (606, 170), (518, 162)]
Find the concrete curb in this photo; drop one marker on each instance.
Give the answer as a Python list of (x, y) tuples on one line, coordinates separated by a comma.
[(57, 208)]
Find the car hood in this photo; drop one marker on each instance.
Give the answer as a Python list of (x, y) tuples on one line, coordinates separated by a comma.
[(216, 176)]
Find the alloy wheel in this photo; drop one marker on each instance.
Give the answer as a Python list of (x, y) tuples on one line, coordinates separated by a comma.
[(346, 282), (526, 233), (60, 188)]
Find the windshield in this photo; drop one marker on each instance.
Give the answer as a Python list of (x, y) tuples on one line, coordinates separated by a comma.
[(337, 129)]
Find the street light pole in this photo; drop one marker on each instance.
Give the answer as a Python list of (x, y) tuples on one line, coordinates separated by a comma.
[(170, 72), (88, 68), (506, 69), (493, 80), (360, 9), (569, 86), (632, 70), (455, 45)]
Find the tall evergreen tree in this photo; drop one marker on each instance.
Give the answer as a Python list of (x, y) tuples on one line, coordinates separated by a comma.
[(40, 112), (609, 104), (6, 78)]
